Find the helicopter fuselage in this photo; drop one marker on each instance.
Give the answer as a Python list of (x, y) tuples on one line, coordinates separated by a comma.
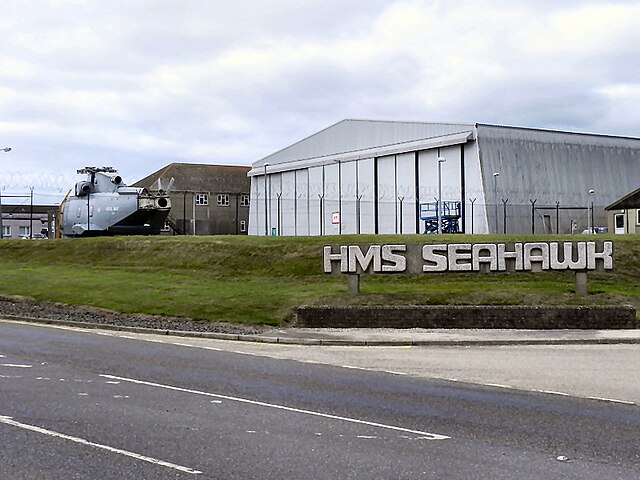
[(103, 205)]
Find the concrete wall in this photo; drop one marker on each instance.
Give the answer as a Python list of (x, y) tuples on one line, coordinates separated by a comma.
[(432, 316)]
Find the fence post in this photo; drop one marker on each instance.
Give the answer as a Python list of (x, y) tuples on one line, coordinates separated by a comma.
[(320, 205), (504, 215), (472, 202), (533, 216)]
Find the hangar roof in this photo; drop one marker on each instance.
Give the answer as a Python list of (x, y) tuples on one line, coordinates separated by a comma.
[(352, 136)]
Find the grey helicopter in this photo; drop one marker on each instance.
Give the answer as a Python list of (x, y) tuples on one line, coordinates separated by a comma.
[(103, 205)]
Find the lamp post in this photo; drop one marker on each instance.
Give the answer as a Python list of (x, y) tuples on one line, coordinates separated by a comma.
[(495, 195), (441, 160), (590, 216), (5, 149), (266, 203)]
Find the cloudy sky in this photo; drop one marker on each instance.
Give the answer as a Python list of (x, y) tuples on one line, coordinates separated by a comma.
[(137, 84)]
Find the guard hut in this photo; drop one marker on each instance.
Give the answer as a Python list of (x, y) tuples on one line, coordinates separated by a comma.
[(623, 215)]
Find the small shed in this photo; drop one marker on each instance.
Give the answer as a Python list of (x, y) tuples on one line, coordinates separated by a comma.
[(623, 215)]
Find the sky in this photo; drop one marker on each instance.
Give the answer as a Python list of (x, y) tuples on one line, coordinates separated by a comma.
[(138, 84)]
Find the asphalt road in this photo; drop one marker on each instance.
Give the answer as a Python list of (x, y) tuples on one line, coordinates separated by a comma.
[(89, 404)]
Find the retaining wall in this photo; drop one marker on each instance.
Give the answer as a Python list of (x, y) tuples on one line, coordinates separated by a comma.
[(441, 316)]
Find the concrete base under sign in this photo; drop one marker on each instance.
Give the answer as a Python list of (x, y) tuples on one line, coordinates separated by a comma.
[(442, 316)]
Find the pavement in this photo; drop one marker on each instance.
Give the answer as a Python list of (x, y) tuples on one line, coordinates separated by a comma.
[(389, 336)]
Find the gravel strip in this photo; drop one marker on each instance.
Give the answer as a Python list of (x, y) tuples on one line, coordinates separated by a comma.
[(26, 307)]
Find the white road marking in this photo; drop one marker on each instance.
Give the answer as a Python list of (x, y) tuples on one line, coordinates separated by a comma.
[(82, 441), (552, 392), (352, 367), (112, 382), (215, 349), (499, 385), (611, 400), (11, 376), (368, 437), (216, 401), (2, 356), (83, 394), (431, 436), (393, 372), (15, 365)]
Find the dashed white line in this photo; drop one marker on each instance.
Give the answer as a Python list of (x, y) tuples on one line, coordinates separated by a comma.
[(431, 436), (15, 365), (553, 392), (354, 368), (611, 400), (394, 372), (82, 441)]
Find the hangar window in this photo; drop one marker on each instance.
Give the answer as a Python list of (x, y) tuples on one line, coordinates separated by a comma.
[(6, 230), (202, 199), (244, 201), (223, 200), (24, 231)]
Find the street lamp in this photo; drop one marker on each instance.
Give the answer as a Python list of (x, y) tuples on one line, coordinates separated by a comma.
[(5, 149), (590, 217), (441, 160), (266, 203), (495, 195)]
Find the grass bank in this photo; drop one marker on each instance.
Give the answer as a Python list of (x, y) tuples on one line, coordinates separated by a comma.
[(262, 280)]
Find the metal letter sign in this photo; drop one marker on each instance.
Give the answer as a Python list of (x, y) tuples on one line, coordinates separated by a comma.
[(468, 257)]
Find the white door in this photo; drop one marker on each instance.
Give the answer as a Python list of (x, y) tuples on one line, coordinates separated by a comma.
[(618, 222)]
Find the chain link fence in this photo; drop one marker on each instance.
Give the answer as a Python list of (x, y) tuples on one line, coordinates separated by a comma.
[(327, 216)]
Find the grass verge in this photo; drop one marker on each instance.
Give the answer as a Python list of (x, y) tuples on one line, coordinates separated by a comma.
[(262, 280)]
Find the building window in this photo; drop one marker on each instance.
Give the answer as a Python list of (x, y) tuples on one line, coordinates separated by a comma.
[(638, 217), (244, 201), (6, 230), (243, 226), (25, 231), (223, 200), (202, 199)]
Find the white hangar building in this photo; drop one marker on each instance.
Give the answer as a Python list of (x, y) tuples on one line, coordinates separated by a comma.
[(363, 176)]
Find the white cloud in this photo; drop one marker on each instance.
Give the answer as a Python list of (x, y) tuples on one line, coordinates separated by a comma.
[(139, 84)]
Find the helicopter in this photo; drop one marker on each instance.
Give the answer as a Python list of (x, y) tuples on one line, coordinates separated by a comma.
[(103, 205)]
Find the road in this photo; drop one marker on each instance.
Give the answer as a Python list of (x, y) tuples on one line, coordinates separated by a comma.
[(92, 404)]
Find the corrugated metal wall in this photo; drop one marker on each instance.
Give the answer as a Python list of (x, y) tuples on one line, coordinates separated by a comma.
[(553, 169)]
